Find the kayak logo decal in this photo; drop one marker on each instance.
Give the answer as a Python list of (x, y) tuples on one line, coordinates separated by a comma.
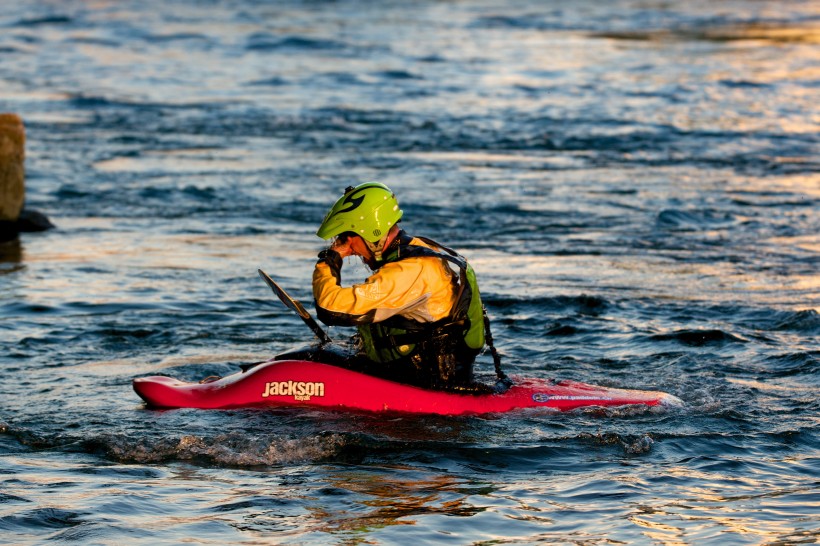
[(543, 397), (301, 391)]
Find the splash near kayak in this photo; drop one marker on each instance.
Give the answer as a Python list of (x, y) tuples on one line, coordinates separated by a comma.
[(313, 384)]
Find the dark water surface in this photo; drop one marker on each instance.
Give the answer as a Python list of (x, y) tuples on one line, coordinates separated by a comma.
[(636, 183)]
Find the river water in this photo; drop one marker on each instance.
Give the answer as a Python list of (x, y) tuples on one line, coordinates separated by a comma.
[(636, 183)]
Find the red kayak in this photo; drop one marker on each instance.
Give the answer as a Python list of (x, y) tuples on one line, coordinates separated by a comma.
[(312, 384)]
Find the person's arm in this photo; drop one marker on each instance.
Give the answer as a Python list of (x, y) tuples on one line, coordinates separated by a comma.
[(378, 298)]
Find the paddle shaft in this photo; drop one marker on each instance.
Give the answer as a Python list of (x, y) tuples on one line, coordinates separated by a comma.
[(294, 305)]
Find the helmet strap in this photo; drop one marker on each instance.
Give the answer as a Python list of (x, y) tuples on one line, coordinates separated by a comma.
[(379, 247), (376, 248)]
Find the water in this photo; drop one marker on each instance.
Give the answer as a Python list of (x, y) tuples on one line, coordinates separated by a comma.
[(636, 184)]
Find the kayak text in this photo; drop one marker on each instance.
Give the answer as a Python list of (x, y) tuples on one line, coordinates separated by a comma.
[(299, 390), (542, 397)]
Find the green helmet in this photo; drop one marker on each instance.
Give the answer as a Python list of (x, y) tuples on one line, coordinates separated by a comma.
[(369, 210)]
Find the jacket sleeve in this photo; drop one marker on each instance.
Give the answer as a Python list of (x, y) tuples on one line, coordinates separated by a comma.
[(389, 291)]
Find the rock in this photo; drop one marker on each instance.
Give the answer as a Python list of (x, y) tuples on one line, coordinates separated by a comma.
[(12, 170), (29, 221), (13, 219), (32, 220)]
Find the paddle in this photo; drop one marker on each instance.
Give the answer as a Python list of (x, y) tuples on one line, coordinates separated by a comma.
[(291, 303)]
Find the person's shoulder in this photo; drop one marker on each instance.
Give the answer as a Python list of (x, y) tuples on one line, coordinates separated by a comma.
[(418, 241)]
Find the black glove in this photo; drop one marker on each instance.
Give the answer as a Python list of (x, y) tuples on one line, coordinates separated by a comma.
[(333, 259)]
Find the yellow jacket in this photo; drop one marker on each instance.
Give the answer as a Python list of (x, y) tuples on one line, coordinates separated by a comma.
[(422, 289)]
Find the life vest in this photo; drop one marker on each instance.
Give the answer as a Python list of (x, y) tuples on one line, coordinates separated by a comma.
[(441, 352)]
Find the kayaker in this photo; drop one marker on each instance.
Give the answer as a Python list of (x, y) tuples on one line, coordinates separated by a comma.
[(419, 315)]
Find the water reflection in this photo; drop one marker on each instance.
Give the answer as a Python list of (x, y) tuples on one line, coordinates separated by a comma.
[(756, 32), (721, 501), (11, 257), (394, 498)]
